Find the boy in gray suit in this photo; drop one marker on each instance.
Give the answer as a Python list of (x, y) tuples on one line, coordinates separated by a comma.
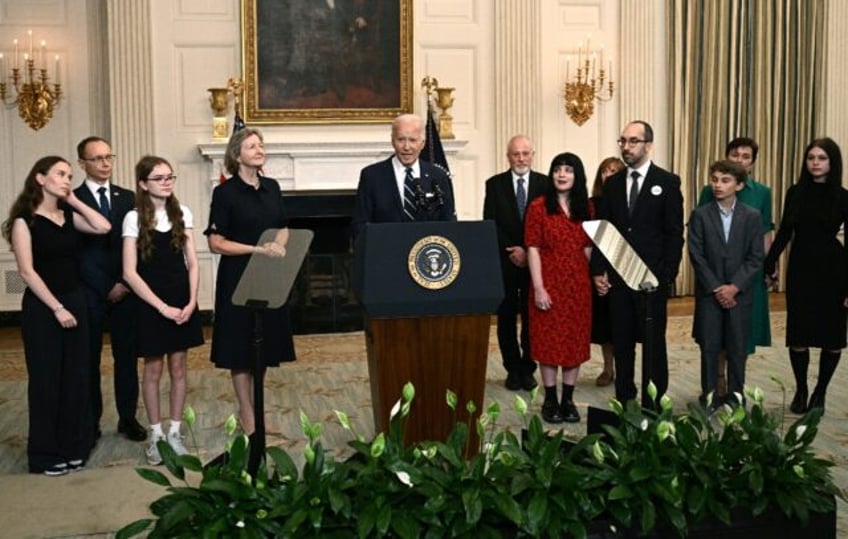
[(726, 248)]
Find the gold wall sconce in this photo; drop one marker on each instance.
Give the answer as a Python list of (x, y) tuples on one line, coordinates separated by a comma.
[(29, 88), (443, 97), (591, 83), (219, 101)]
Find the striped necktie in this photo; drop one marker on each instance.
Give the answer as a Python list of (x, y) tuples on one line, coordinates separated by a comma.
[(409, 195)]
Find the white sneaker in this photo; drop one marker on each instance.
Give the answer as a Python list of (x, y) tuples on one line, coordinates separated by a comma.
[(176, 443), (153, 456)]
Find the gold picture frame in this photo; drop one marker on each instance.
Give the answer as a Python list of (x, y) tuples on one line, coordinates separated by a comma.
[(327, 61)]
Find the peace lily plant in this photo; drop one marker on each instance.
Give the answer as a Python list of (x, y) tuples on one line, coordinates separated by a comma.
[(653, 471)]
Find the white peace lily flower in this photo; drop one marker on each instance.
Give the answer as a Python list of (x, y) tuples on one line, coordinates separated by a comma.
[(404, 478), (800, 430), (240, 524), (395, 409), (644, 425)]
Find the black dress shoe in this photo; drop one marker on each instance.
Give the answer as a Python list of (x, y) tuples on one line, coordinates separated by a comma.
[(569, 412), (816, 401), (799, 402), (528, 382), (513, 382), (551, 413), (132, 429)]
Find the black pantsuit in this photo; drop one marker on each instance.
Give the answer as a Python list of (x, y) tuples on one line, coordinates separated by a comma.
[(58, 393)]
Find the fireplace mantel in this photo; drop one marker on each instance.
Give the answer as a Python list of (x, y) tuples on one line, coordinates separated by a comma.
[(314, 166)]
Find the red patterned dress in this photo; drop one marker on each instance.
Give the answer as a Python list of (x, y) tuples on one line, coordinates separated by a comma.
[(560, 336)]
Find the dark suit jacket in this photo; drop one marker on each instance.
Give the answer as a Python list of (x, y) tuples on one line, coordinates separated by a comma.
[(500, 207), (716, 262), (655, 230), (378, 199), (100, 263)]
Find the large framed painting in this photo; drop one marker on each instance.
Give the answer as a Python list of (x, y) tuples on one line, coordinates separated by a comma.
[(326, 61)]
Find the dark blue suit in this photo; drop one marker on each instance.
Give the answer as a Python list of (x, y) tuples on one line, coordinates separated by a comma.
[(500, 206), (655, 231), (378, 199), (100, 269)]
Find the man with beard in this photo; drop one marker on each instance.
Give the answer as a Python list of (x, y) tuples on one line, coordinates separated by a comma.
[(645, 204)]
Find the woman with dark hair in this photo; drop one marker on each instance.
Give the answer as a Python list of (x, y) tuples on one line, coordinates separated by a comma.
[(601, 323), (244, 207), (44, 228), (160, 265), (815, 208), (561, 296)]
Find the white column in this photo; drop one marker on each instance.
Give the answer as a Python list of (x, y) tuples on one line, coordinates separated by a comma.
[(643, 69), (130, 85), (517, 72)]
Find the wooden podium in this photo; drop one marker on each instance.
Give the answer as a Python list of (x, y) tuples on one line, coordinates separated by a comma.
[(428, 290)]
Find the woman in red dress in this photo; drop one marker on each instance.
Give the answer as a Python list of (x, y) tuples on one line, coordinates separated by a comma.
[(561, 297)]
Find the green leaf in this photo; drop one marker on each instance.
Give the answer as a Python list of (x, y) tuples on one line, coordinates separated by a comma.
[(620, 492), (384, 518), (133, 529), (154, 476)]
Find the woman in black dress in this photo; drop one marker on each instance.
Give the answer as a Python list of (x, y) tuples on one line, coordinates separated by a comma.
[(817, 274), (601, 323), (244, 207), (160, 265), (43, 229)]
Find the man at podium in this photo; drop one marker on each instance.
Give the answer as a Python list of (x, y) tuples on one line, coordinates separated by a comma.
[(403, 188)]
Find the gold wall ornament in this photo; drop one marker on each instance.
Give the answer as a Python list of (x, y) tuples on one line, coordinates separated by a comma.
[(236, 87), (444, 99), (219, 101), (29, 88), (589, 85)]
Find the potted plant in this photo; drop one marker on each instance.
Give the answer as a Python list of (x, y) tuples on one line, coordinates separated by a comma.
[(656, 474)]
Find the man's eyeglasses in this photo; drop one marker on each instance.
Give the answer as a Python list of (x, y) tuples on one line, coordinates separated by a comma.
[(622, 142), (100, 159), (161, 179)]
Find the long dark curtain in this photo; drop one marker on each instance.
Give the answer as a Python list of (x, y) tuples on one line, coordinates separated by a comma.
[(744, 68)]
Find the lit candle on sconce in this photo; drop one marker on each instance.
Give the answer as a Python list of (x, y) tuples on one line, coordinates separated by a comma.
[(56, 78), (2, 68), (30, 44), (593, 65), (579, 56), (15, 41), (43, 54)]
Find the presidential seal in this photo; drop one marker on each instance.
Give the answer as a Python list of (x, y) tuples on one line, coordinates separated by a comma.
[(434, 262)]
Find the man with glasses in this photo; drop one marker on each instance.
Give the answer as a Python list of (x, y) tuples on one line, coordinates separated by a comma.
[(645, 204), (106, 293)]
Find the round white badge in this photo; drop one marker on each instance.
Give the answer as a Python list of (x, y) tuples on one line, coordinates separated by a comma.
[(656, 190)]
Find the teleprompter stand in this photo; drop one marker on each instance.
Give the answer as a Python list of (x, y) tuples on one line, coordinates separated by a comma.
[(635, 274), (265, 284)]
